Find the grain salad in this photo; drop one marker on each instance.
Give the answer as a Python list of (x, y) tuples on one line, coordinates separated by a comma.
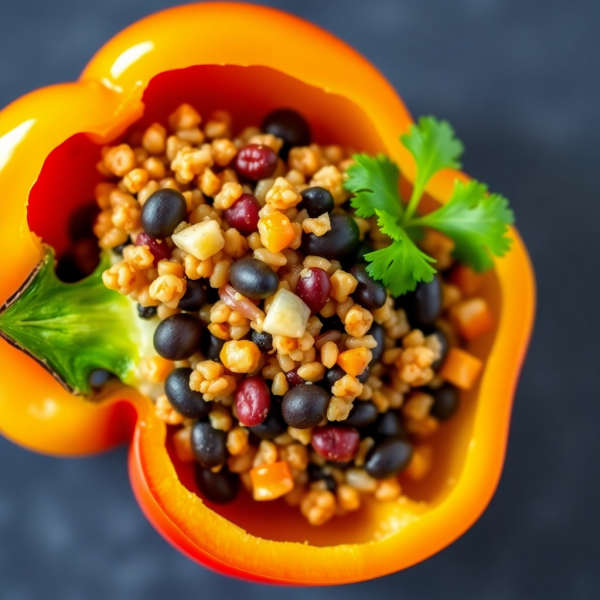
[(280, 363)]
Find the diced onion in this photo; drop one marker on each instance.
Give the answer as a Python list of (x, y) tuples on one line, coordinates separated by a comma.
[(201, 240), (287, 315)]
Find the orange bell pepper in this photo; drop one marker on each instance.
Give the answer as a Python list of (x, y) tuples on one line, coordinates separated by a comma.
[(55, 134)]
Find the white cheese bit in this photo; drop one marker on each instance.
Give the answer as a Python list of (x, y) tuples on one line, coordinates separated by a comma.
[(287, 315), (201, 240)]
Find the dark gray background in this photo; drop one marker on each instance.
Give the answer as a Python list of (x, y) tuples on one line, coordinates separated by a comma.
[(520, 81)]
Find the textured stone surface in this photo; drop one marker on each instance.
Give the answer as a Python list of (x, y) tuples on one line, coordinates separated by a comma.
[(519, 81)]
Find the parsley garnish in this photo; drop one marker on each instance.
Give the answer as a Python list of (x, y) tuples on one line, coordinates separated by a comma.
[(476, 221)]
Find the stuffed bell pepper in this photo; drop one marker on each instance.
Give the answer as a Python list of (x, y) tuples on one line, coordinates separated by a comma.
[(254, 267)]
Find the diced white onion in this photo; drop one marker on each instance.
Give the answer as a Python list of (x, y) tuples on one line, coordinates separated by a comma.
[(201, 240), (287, 315)]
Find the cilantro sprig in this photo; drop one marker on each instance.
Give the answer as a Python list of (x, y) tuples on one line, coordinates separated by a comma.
[(476, 221)]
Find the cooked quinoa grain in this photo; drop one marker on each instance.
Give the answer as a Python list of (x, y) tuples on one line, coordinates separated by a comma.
[(251, 237)]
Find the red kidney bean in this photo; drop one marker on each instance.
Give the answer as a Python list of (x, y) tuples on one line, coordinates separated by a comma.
[(159, 249), (243, 214), (293, 378), (314, 289), (255, 162), (335, 443), (252, 401)]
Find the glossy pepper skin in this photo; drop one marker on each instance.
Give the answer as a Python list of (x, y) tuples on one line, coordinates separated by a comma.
[(38, 413)]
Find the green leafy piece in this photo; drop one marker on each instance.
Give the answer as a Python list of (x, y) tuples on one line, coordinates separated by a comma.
[(476, 222), (374, 183), (434, 146), (73, 328), (401, 265)]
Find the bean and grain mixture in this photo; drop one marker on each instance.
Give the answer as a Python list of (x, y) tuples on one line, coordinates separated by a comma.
[(279, 361)]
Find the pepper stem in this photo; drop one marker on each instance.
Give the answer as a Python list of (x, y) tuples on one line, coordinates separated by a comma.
[(72, 328)]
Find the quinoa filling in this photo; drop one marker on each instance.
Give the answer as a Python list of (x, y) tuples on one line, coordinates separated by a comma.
[(280, 363)]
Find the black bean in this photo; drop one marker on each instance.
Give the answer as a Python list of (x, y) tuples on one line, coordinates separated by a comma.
[(362, 415), (444, 343), (263, 340), (390, 424), (146, 312), (184, 399), (211, 346), (424, 305), (253, 278), (316, 201), (445, 402), (272, 426), (305, 405), (364, 375), (162, 212), (99, 377), (288, 125), (369, 293), (209, 444), (334, 374), (378, 333), (178, 336), (340, 241), (389, 457), (195, 296), (220, 488)]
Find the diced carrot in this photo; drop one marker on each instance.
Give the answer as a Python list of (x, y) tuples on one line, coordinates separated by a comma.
[(354, 361), (276, 232), (472, 318), (461, 368), (271, 481), (466, 279)]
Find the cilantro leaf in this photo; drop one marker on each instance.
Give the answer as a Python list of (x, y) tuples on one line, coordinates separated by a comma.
[(374, 183), (476, 222), (434, 147), (401, 265)]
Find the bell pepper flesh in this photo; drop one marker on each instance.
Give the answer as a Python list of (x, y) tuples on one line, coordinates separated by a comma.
[(144, 72)]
